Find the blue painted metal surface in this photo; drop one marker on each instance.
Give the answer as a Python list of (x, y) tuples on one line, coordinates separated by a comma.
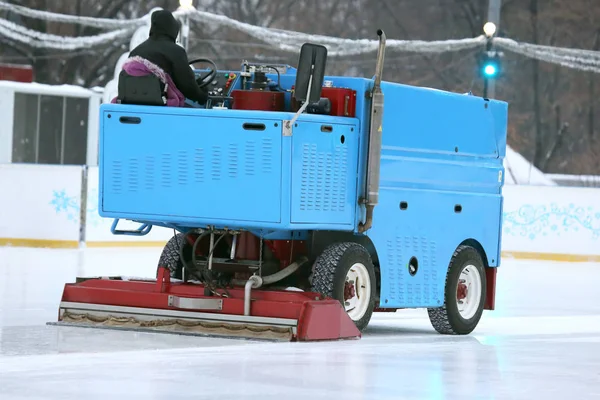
[(441, 158), (324, 166), (195, 167), (441, 180), (143, 229), (183, 166)]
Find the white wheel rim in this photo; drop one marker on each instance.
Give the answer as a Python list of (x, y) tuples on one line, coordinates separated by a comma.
[(356, 302), (468, 291)]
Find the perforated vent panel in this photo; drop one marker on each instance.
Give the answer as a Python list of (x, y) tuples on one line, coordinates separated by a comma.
[(116, 178), (323, 185), (324, 174), (404, 289), (199, 165), (192, 167)]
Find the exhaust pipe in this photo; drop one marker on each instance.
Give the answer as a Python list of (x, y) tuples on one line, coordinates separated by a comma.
[(254, 282), (380, 57), (375, 134)]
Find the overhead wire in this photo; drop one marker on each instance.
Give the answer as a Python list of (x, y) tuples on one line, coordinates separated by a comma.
[(292, 41), (44, 40), (283, 40), (102, 23), (584, 60)]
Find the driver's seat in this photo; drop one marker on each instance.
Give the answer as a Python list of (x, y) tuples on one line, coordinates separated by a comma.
[(145, 90)]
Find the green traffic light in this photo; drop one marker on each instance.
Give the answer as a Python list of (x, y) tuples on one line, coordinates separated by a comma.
[(490, 70)]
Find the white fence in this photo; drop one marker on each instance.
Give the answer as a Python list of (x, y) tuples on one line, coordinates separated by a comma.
[(41, 206)]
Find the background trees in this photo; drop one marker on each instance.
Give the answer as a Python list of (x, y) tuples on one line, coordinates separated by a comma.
[(554, 114)]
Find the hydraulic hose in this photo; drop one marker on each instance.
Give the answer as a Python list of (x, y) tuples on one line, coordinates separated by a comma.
[(276, 277), (284, 273)]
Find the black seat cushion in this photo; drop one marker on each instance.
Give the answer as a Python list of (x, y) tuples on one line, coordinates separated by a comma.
[(141, 90)]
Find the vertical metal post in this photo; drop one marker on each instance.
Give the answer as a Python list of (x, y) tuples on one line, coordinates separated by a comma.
[(37, 129), (494, 10), (185, 32), (83, 205), (63, 134)]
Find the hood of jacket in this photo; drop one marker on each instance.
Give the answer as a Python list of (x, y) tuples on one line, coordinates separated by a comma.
[(163, 23)]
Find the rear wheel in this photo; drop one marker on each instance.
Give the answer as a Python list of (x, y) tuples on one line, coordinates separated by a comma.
[(464, 294), (345, 272)]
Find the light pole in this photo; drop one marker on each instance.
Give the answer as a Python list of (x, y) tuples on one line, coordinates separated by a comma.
[(491, 66), (185, 26)]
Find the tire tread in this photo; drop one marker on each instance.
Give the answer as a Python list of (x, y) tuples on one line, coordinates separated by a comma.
[(170, 257), (326, 275), (440, 317)]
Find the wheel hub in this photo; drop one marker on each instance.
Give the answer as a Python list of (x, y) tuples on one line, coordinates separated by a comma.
[(349, 291), (461, 290), (468, 291), (357, 291)]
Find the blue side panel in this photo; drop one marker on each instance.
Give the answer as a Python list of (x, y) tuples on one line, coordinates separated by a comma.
[(187, 168), (362, 86), (324, 166), (429, 230), (408, 169), (441, 184), (433, 121), (184, 166)]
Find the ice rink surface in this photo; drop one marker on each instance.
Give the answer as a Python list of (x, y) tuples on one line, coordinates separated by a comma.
[(542, 342)]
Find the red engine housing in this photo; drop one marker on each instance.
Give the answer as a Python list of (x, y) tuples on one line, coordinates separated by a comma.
[(258, 100), (343, 101)]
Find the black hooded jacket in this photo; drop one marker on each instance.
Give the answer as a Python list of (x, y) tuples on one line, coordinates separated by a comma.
[(161, 49)]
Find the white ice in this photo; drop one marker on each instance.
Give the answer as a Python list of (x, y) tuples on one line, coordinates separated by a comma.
[(542, 342)]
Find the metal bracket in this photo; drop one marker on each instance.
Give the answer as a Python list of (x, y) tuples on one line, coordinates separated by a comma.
[(287, 125), (143, 230), (287, 128), (195, 304)]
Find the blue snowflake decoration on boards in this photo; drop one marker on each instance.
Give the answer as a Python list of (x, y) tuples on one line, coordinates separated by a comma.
[(93, 217), (65, 204), (531, 221)]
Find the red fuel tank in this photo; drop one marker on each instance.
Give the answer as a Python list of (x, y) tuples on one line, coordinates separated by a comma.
[(343, 101), (258, 100)]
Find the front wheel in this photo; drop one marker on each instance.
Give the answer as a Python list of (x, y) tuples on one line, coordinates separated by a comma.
[(465, 293), (171, 256), (345, 272)]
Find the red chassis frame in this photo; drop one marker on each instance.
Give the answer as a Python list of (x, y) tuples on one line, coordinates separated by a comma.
[(317, 317)]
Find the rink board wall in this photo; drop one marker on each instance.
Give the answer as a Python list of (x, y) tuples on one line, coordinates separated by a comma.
[(551, 222), (41, 207)]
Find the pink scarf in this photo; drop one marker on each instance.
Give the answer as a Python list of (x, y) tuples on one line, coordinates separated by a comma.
[(138, 66)]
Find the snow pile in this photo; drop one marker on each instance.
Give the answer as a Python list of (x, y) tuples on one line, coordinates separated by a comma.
[(519, 171)]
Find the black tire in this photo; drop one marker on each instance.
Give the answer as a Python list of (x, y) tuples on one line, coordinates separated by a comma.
[(170, 256), (447, 319), (331, 268)]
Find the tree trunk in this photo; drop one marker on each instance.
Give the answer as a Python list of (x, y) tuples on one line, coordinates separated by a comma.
[(539, 140)]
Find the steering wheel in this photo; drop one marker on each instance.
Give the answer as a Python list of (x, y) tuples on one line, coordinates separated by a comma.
[(203, 81)]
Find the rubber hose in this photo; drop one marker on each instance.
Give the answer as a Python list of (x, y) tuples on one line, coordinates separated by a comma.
[(284, 273), (279, 275)]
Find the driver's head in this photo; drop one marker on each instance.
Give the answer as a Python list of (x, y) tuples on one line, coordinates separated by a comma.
[(164, 23)]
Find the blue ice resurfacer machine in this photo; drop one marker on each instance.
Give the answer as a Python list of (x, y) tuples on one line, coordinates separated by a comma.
[(300, 204)]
